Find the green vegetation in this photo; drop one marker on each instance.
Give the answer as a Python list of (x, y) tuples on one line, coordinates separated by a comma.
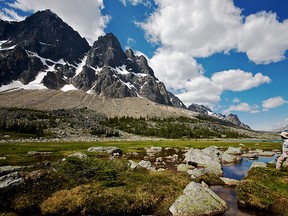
[(93, 187), (265, 189), (16, 153), (174, 128)]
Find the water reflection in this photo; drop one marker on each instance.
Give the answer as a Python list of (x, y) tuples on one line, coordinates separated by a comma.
[(238, 171)]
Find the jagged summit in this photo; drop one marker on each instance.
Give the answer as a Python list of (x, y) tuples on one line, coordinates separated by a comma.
[(47, 35), (42, 51), (207, 111)]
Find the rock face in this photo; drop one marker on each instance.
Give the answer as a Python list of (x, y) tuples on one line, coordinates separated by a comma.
[(110, 72), (44, 50), (210, 158), (198, 200)]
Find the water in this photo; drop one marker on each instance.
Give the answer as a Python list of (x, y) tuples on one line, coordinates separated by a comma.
[(237, 171)]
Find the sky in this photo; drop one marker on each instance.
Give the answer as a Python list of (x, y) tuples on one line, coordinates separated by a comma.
[(229, 55)]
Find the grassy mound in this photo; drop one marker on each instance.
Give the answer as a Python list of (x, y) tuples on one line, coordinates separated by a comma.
[(265, 189)]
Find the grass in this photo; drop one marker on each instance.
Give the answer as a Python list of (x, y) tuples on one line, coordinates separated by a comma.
[(265, 189), (94, 187), (16, 153)]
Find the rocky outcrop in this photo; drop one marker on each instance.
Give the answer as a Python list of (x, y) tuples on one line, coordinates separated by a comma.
[(198, 200), (44, 47), (47, 35), (110, 72), (200, 109), (209, 157)]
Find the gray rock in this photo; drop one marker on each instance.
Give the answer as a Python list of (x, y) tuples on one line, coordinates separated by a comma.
[(266, 154), (230, 182), (147, 165), (228, 158), (79, 155), (184, 167), (258, 164), (197, 201), (209, 158), (197, 172), (234, 151), (10, 180), (109, 150), (9, 169), (132, 164), (250, 155), (39, 154), (153, 149)]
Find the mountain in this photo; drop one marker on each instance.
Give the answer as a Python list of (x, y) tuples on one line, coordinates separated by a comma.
[(207, 111), (44, 52)]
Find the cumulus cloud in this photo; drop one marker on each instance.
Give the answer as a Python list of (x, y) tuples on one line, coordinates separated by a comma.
[(273, 103), (243, 107), (83, 16), (201, 90), (263, 38), (205, 27), (174, 68), (238, 80), (136, 2)]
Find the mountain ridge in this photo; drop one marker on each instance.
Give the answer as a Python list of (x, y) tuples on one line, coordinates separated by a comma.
[(44, 52)]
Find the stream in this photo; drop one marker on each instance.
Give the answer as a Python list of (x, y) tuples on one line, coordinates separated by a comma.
[(237, 171)]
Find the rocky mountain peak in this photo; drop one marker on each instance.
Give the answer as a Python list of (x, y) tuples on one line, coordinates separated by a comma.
[(45, 51), (207, 111), (106, 51), (47, 35)]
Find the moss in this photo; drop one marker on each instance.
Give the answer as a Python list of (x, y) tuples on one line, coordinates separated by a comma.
[(254, 194), (265, 189)]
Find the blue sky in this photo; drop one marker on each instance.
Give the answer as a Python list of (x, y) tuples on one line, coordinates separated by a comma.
[(230, 55)]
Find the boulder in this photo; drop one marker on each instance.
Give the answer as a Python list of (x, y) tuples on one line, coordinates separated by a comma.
[(258, 164), (9, 169), (109, 149), (184, 167), (79, 155), (132, 164), (210, 158), (234, 151), (146, 164), (230, 182), (198, 200), (10, 180), (197, 172), (153, 150), (250, 155), (39, 154), (229, 158)]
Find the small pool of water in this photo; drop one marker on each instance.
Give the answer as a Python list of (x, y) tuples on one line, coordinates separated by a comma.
[(237, 171)]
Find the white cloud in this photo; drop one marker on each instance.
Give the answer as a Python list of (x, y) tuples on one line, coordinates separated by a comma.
[(204, 27), (136, 2), (263, 38), (243, 107), (83, 16), (174, 68), (201, 90), (180, 72), (238, 80), (10, 15), (273, 103)]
